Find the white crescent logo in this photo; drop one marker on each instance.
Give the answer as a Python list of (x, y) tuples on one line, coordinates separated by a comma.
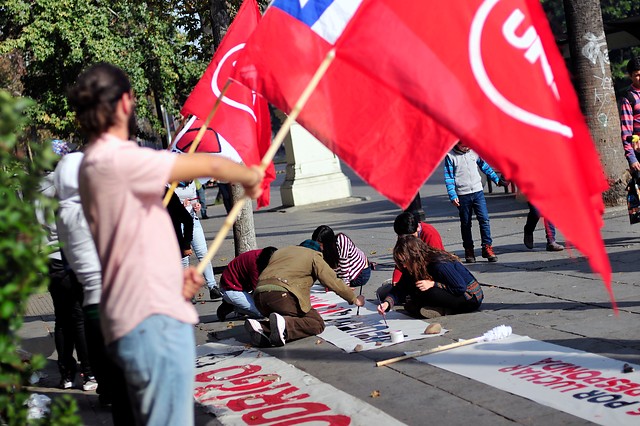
[(529, 42), (216, 90)]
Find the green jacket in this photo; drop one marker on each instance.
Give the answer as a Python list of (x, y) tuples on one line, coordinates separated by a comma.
[(296, 268)]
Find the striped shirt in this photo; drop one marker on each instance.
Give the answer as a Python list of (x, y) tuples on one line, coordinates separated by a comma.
[(630, 123), (351, 260)]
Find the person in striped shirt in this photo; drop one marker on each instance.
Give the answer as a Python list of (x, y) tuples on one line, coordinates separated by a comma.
[(339, 251), (630, 114)]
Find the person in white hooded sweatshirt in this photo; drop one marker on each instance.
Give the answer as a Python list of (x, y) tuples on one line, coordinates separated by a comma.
[(80, 251)]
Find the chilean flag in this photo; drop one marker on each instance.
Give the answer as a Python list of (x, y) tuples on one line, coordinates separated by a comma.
[(410, 74), (243, 119)]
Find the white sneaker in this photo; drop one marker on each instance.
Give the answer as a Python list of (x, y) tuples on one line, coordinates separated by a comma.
[(258, 338), (66, 384), (278, 326), (90, 384)]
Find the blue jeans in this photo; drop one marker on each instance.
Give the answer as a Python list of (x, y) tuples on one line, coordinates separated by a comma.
[(158, 360), (200, 248), (242, 302), (474, 203), (362, 278)]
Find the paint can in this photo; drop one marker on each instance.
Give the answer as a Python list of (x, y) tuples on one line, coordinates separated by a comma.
[(397, 336)]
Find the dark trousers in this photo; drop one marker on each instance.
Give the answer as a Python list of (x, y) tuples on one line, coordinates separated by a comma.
[(442, 298), (66, 293), (112, 386), (469, 204), (299, 324), (532, 220)]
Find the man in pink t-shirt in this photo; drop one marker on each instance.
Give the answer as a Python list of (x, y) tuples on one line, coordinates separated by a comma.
[(146, 315)]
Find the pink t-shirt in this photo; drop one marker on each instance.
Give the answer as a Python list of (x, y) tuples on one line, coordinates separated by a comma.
[(121, 188)]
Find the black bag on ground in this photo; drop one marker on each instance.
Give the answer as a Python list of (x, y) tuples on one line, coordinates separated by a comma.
[(633, 200)]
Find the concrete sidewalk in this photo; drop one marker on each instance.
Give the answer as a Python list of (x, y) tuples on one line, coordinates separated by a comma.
[(548, 296)]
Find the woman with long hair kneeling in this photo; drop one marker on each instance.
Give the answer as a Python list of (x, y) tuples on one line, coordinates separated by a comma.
[(434, 280)]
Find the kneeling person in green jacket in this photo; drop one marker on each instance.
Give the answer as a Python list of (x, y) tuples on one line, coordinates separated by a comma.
[(283, 295)]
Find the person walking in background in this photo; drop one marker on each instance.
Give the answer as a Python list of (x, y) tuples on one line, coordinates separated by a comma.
[(239, 280), (464, 186), (436, 281), (283, 294), (630, 115), (550, 231), (340, 252), (186, 191), (146, 316)]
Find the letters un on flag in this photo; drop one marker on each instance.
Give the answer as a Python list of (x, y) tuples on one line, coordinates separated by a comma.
[(409, 74), (243, 118)]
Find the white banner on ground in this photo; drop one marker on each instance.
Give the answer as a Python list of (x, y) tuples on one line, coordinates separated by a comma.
[(243, 386), (367, 330), (583, 384)]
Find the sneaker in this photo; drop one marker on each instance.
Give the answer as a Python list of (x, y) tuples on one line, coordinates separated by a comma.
[(277, 326), (214, 293), (487, 253), (224, 310), (553, 246), (469, 255), (89, 383), (66, 383), (528, 241), (429, 312), (258, 338)]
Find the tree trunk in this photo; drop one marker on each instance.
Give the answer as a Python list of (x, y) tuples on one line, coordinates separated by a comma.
[(220, 21), (244, 233), (592, 72)]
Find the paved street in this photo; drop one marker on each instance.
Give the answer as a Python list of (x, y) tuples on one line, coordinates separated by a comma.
[(553, 297)]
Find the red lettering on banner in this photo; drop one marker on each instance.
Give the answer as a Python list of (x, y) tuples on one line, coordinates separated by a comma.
[(258, 417), (526, 370), (245, 370), (252, 392), (333, 420), (634, 413), (253, 383), (510, 369), (581, 375), (544, 361), (264, 399)]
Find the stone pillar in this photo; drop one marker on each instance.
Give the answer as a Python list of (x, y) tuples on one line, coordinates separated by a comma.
[(313, 171)]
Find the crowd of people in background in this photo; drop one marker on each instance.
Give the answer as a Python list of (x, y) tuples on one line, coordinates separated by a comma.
[(121, 285)]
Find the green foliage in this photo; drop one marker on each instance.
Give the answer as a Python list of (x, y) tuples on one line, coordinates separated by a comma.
[(59, 38), (23, 254)]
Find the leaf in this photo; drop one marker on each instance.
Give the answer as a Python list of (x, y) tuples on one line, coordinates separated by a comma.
[(375, 394)]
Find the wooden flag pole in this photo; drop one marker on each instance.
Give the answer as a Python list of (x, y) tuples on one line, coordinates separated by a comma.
[(199, 136), (496, 333), (268, 156)]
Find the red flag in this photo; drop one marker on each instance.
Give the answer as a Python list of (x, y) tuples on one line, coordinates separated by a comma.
[(242, 118), (487, 71)]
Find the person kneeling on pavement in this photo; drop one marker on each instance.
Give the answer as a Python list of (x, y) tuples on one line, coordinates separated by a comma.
[(434, 280), (283, 295), (239, 280)]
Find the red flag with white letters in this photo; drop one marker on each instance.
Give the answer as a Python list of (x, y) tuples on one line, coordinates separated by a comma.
[(487, 71), (243, 117)]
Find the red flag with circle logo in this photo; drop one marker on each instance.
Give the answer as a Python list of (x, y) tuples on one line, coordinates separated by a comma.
[(487, 71), (242, 118)]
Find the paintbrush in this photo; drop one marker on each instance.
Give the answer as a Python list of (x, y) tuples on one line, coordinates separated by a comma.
[(358, 310), (384, 315)]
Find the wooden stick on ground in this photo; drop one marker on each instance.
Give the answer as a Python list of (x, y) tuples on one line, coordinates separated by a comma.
[(268, 156), (496, 333)]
